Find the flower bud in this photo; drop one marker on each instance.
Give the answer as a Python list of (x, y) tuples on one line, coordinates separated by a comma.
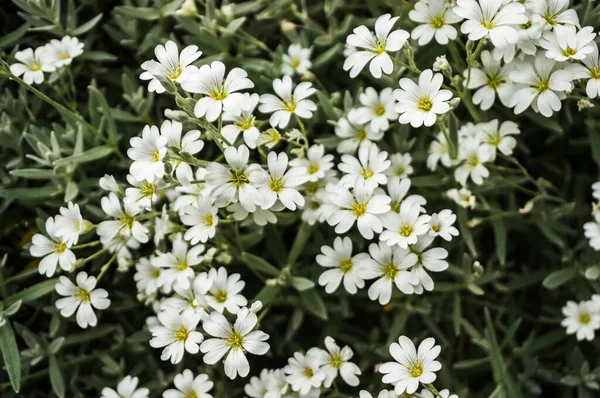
[(441, 64)]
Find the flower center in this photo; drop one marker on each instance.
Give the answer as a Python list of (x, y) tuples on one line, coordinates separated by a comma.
[(438, 21), (395, 206), (236, 341), (82, 295), (406, 230), (156, 156), (390, 271), (336, 362), (35, 66), (543, 85), (290, 106), (380, 49), (181, 334), (345, 265), (313, 168), (245, 124), (595, 72), (238, 177), (191, 394), (308, 372), (208, 220), (358, 209), (276, 184), (361, 134), (77, 225), (494, 81), (59, 246), (495, 141), (221, 296), (182, 266), (569, 52), (175, 72), (400, 171), (311, 188), (584, 318), (127, 221), (415, 370), (379, 110), (436, 227), (526, 25), (147, 190), (218, 94), (474, 161), (424, 104), (488, 24), (155, 273), (64, 56), (551, 19), (366, 173), (295, 63)]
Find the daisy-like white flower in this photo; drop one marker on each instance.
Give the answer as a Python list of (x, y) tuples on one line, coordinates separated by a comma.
[(491, 80), (412, 366), (218, 90), (544, 86), (194, 298), (177, 334), (398, 188), (435, 20), (32, 65), (589, 70), (372, 47), (336, 360), (202, 219), (178, 263), (464, 198), (419, 104), (189, 144), (405, 227), (390, 266), (552, 13), (445, 393), (171, 65), (141, 193), (592, 232), (343, 267), (297, 60), (224, 294), (281, 184), (259, 216), (355, 135), (376, 109), (147, 276), (147, 153), (581, 319), (382, 394), (124, 222), (428, 259), (441, 224), (258, 387), (499, 138), (240, 113), (302, 373), (360, 206), (566, 42), (62, 52), (54, 250), (401, 165), (238, 182), (438, 152), (492, 18), (289, 101), (188, 386), (127, 388), (316, 162), (82, 298), (368, 170), (474, 155), (233, 340)]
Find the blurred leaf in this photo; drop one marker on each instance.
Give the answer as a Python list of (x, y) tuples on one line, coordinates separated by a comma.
[(10, 355), (313, 303)]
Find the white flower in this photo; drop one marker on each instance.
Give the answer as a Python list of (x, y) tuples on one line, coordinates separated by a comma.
[(62, 52), (177, 334), (202, 219), (297, 60), (397, 189), (258, 387), (552, 13), (498, 138), (377, 109), (581, 319), (147, 153), (170, 66), (108, 183), (544, 86), (360, 206), (420, 104), (411, 366), (141, 193), (259, 216), (194, 298), (334, 361), (240, 113), (565, 42), (178, 263), (124, 222), (425, 393), (54, 250), (343, 267), (401, 165), (438, 152), (429, 259), (224, 294), (355, 135), (82, 298), (289, 101), (492, 18), (389, 265), (464, 198), (32, 65), (382, 394), (590, 71), (302, 372), (373, 47), (490, 80), (218, 90), (435, 20), (233, 339), (238, 182), (316, 162), (147, 276), (127, 388), (592, 232), (440, 225), (403, 228), (281, 184), (368, 170), (190, 144), (474, 155), (188, 386)]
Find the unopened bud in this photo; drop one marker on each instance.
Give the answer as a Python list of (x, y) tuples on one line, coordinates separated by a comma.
[(179, 116), (287, 26), (477, 269), (456, 81), (454, 102), (584, 103), (441, 64), (256, 306), (188, 9)]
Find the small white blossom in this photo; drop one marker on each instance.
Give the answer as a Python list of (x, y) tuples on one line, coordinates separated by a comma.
[(171, 65), (289, 101), (82, 298), (177, 334), (32, 65), (53, 249), (127, 388), (342, 266)]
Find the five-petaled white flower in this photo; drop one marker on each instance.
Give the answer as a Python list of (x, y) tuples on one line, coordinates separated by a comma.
[(188, 386), (297, 60), (170, 66), (403, 228), (224, 294), (177, 334), (490, 80), (343, 267), (54, 250), (376, 109), (147, 153), (62, 52), (289, 101), (440, 225), (336, 360), (279, 184), (32, 65), (127, 388), (302, 373), (355, 134), (201, 216), (565, 42), (581, 319), (82, 298), (435, 19), (316, 162), (240, 113)]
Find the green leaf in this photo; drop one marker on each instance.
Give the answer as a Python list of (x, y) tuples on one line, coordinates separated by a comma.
[(499, 371), (235, 25), (453, 135), (299, 243), (111, 128), (326, 106), (90, 155), (328, 56), (8, 40), (313, 303), (267, 294), (301, 284), (258, 264), (86, 26), (56, 377), (98, 56), (10, 355), (29, 193), (33, 174), (144, 13), (500, 238), (32, 293), (559, 278), (465, 230)]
